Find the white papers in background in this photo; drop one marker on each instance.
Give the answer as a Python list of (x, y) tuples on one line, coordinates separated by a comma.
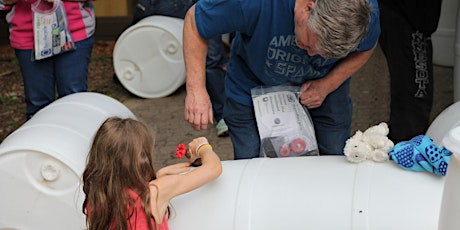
[(51, 33)]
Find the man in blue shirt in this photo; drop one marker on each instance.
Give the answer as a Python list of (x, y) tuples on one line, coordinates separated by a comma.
[(317, 45)]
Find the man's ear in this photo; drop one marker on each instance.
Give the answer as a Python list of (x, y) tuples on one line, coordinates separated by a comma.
[(310, 5)]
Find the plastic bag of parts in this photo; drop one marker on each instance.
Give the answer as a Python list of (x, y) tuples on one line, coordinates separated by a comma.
[(285, 127), (51, 30)]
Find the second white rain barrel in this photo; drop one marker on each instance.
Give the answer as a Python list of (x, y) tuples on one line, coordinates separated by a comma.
[(41, 163), (148, 57), (456, 78), (444, 37)]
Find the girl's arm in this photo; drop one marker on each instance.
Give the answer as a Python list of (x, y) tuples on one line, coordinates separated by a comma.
[(174, 169), (166, 187)]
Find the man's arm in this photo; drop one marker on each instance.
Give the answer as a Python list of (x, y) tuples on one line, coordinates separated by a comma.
[(198, 109), (314, 92)]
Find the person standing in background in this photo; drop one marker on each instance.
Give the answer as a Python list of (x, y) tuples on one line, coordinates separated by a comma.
[(407, 26), (65, 73)]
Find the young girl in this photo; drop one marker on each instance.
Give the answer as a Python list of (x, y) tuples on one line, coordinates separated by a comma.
[(122, 188)]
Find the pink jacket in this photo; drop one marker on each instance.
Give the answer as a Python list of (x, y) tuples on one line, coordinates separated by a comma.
[(80, 17)]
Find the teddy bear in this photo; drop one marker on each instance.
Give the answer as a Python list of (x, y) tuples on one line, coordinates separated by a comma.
[(372, 144)]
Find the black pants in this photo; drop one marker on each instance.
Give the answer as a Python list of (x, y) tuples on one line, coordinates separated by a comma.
[(409, 55)]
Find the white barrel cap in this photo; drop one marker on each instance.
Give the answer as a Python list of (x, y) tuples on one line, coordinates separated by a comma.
[(148, 57), (452, 140), (445, 121)]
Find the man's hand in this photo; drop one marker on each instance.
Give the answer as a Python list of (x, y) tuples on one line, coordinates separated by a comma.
[(198, 110), (313, 93)]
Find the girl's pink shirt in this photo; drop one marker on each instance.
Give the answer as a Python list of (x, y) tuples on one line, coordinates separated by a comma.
[(80, 18), (139, 218)]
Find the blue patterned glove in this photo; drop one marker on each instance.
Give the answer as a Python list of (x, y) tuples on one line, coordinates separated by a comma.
[(421, 154)]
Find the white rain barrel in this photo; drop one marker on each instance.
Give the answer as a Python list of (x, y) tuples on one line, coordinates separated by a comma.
[(325, 192), (148, 57), (448, 119), (450, 207), (456, 78), (444, 37), (41, 163)]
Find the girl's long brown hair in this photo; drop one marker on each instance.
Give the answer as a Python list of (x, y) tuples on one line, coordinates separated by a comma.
[(120, 158)]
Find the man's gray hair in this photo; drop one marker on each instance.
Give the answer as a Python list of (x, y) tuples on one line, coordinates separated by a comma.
[(340, 25)]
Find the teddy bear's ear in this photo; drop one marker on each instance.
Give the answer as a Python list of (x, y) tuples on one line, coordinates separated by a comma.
[(384, 126)]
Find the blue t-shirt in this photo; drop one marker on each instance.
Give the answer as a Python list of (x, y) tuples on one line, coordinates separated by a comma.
[(264, 51)]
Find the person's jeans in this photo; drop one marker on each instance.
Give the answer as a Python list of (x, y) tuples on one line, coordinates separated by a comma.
[(67, 73), (332, 123), (216, 59), (170, 8), (242, 128)]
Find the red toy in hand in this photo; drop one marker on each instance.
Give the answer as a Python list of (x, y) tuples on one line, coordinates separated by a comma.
[(181, 151)]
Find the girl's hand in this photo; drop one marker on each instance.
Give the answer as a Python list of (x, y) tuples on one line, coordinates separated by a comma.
[(182, 151), (194, 147)]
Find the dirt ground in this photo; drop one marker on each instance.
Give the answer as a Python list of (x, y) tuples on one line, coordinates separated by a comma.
[(12, 104)]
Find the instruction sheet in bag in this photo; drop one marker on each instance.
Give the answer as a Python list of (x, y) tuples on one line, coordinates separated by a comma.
[(284, 125)]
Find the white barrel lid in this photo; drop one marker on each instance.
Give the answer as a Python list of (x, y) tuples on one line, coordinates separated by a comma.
[(452, 140), (445, 121), (148, 57)]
